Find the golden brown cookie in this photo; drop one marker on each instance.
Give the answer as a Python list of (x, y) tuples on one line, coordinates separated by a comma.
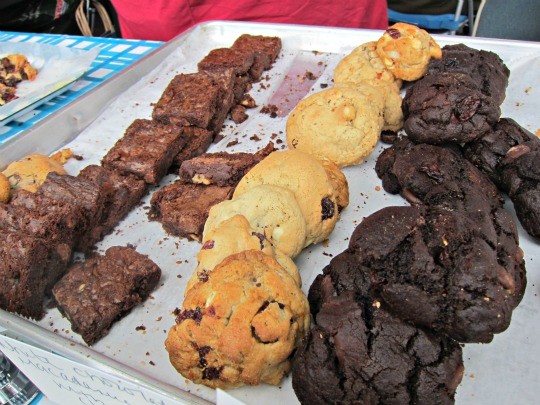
[(241, 325), (363, 65), (235, 235), (342, 124), (406, 50), (22, 66), (31, 171), (305, 176), (339, 182), (4, 189), (271, 210)]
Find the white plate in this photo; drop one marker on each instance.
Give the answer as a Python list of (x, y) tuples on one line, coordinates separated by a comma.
[(57, 67)]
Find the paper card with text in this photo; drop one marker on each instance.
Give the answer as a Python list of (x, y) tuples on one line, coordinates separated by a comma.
[(65, 381)]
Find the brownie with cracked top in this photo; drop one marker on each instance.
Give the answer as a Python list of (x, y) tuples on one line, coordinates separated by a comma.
[(508, 155), (146, 150), (448, 107), (189, 99), (182, 208), (30, 266), (265, 50), (101, 290), (358, 352), (122, 193), (221, 168), (41, 216), (484, 67), (78, 192)]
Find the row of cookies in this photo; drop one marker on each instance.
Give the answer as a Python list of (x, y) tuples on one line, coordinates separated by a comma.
[(244, 312), (343, 123)]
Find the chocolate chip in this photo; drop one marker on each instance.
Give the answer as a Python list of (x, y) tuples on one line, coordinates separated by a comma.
[(194, 314), (328, 208), (211, 373)]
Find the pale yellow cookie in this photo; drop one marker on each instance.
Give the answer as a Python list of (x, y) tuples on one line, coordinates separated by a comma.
[(4, 189), (406, 50), (241, 325), (339, 182), (31, 171), (305, 176), (235, 235), (363, 65), (271, 210), (342, 124), (391, 108)]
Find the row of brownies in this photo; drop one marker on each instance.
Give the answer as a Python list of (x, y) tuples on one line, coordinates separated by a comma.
[(42, 229)]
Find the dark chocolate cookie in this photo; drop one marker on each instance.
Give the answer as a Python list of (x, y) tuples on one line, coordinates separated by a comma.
[(484, 67), (448, 107), (358, 352)]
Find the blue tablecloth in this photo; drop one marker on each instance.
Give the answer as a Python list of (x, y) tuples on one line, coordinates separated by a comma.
[(115, 55)]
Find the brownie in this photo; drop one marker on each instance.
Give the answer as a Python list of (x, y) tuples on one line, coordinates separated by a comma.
[(96, 293), (78, 192), (242, 84), (43, 217), (198, 140), (182, 208), (269, 46), (189, 99), (122, 193), (221, 168), (227, 58), (484, 67), (447, 107), (226, 80), (358, 352), (146, 150), (30, 266)]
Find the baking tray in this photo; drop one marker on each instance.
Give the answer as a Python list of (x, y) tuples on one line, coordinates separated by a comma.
[(504, 371)]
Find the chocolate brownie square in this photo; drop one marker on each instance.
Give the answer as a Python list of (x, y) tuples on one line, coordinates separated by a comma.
[(227, 58), (28, 268), (122, 193), (265, 49), (79, 192), (182, 208), (198, 140), (189, 99), (221, 168), (146, 150), (43, 217), (96, 293), (226, 80)]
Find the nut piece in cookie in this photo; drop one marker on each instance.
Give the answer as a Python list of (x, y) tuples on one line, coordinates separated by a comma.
[(271, 210), (406, 51), (241, 325), (305, 176), (31, 171), (235, 235), (341, 124)]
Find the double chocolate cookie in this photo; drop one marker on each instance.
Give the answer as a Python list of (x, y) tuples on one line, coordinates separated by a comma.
[(358, 352)]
